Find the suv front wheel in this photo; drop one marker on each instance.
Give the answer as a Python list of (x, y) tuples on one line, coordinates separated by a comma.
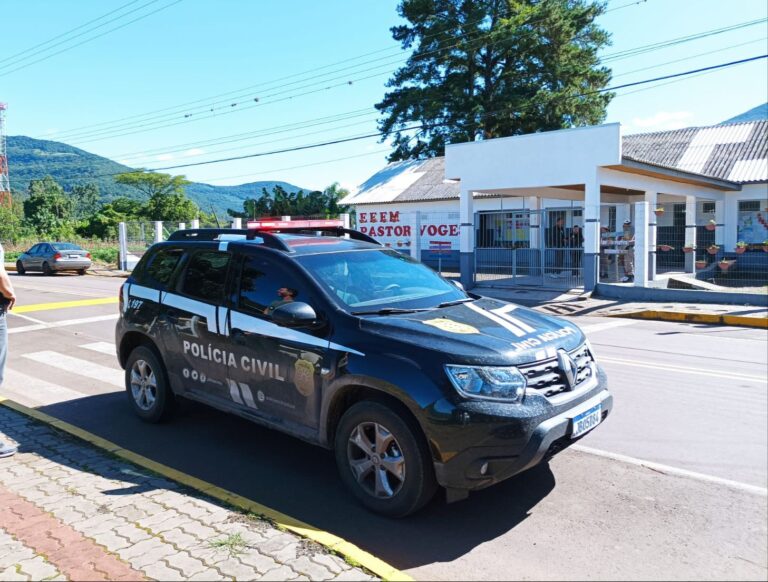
[(146, 385), (383, 460)]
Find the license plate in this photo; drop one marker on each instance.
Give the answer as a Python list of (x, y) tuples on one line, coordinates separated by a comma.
[(586, 421), (74, 256)]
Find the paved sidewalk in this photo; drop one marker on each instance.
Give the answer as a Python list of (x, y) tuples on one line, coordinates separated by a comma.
[(72, 511)]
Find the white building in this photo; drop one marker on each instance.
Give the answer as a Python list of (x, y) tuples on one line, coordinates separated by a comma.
[(487, 208)]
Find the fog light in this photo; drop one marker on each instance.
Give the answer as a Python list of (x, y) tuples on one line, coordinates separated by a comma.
[(484, 468)]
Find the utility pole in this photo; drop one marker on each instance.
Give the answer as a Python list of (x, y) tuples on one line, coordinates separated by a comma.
[(5, 183)]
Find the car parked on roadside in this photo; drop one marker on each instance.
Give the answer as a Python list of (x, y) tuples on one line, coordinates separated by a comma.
[(323, 333), (52, 257)]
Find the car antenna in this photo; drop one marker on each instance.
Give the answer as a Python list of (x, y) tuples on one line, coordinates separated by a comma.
[(216, 218)]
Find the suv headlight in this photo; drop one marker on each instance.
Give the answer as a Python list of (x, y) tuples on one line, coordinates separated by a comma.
[(501, 384)]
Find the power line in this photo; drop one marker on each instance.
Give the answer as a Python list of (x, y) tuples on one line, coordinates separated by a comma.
[(87, 40), (173, 111), (50, 40), (422, 127)]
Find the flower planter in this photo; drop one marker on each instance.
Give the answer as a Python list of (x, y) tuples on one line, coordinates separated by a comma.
[(740, 250), (710, 226), (765, 248), (688, 249), (725, 265), (666, 248), (713, 250), (659, 212), (701, 264)]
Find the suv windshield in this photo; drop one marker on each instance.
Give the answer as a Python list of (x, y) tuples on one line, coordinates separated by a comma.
[(380, 278)]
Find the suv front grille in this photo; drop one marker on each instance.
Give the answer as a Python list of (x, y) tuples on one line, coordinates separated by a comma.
[(548, 379)]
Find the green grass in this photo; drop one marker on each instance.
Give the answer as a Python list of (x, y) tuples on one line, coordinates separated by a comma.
[(234, 544)]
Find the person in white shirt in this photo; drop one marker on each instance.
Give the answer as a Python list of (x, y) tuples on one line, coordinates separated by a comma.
[(7, 299)]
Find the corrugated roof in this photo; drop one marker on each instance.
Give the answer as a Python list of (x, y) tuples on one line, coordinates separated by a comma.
[(736, 152)]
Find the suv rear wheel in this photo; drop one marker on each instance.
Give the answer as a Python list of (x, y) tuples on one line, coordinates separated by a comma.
[(383, 460), (146, 385)]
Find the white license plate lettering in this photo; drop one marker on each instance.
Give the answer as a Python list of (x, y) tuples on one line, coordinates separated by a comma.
[(586, 421)]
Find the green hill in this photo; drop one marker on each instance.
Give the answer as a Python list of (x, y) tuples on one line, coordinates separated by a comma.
[(31, 159)]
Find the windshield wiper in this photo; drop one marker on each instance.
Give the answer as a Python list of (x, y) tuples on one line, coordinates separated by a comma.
[(455, 302), (390, 311)]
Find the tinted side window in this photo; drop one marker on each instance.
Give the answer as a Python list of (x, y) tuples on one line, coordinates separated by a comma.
[(261, 282), (157, 273), (206, 275)]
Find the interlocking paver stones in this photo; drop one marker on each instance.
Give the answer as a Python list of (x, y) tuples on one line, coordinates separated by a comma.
[(71, 511)]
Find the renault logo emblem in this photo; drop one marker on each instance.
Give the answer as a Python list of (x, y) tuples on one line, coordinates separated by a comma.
[(569, 367)]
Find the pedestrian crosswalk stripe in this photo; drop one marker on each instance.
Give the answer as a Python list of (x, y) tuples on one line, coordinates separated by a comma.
[(65, 323), (101, 347), (112, 376), (33, 391)]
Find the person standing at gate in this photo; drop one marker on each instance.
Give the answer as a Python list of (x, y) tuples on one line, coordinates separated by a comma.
[(628, 239), (576, 243), (558, 240), (7, 299)]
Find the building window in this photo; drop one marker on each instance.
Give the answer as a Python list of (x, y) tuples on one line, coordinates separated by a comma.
[(752, 225), (612, 218), (708, 207)]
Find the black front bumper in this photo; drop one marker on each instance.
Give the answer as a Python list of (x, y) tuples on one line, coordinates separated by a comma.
[(482, 466)]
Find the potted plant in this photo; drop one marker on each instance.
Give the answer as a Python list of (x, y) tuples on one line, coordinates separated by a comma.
[(667, 248), (712, 249), (659, 211), (689, 248), (711, 224), (701, 264), (725, 264), (741, 247), (765, 246)]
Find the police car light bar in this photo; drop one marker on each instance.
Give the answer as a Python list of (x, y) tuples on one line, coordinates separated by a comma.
[(267, 225)]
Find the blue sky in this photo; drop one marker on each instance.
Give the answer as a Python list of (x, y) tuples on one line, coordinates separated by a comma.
[(304, 63)]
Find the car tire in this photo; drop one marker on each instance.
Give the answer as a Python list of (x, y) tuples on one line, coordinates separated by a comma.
[(20, 268), (395, 483), (146, 385), (47, 271), (82, 272)]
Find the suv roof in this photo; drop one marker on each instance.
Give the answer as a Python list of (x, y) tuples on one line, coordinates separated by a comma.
[(299, 241)]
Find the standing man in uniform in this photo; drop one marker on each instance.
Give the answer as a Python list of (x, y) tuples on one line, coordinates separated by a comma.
[(558, 240), (7, 299), (629, 257)]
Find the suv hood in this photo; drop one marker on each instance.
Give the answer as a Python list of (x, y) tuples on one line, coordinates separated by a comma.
[(483, 332)]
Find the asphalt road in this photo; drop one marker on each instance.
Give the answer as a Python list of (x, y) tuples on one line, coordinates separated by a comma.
[(686, 396)]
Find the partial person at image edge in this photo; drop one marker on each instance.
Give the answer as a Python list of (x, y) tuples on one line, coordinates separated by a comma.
[(7, 300)]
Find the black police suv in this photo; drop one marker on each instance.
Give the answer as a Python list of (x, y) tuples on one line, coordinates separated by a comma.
[(321, 332)]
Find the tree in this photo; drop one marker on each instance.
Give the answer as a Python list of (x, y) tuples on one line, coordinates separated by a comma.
[(166, 193), (48, 210), (104, 222), (86, 200), (284, 203), (493, 68)]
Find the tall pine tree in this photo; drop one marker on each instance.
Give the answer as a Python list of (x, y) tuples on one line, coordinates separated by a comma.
[(482, 69)]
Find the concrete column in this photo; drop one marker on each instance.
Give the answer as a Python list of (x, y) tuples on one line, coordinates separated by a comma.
[(182, 226), (196, 223), (591, 230), (122, 235), (690, 233), (416, 235), (158, 231), (642, 232), (237, 223), (533, 203), (720, 220), (650, 198), (466, 239), (345, 219)]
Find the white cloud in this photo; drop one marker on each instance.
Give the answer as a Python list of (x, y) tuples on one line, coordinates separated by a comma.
[(661, 121), (193, 152), (164, 157)]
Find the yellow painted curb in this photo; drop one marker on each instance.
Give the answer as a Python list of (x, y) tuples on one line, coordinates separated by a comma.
[(64, 304), (711, 318), (334, 543)]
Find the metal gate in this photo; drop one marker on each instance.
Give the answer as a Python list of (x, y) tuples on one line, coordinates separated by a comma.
[(541, 248)]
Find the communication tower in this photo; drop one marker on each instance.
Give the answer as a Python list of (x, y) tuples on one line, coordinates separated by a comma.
[(5, 183)]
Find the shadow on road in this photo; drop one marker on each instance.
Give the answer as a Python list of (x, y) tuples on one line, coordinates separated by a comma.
[(300, 480)]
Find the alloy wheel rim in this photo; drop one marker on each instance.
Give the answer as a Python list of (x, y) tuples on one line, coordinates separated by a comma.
[(143, 385), (376, 460)]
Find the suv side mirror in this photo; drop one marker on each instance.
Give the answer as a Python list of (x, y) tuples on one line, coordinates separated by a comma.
[(294, 314)]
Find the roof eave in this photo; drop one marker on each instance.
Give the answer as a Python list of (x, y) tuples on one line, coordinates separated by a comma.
[(680, 175)]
